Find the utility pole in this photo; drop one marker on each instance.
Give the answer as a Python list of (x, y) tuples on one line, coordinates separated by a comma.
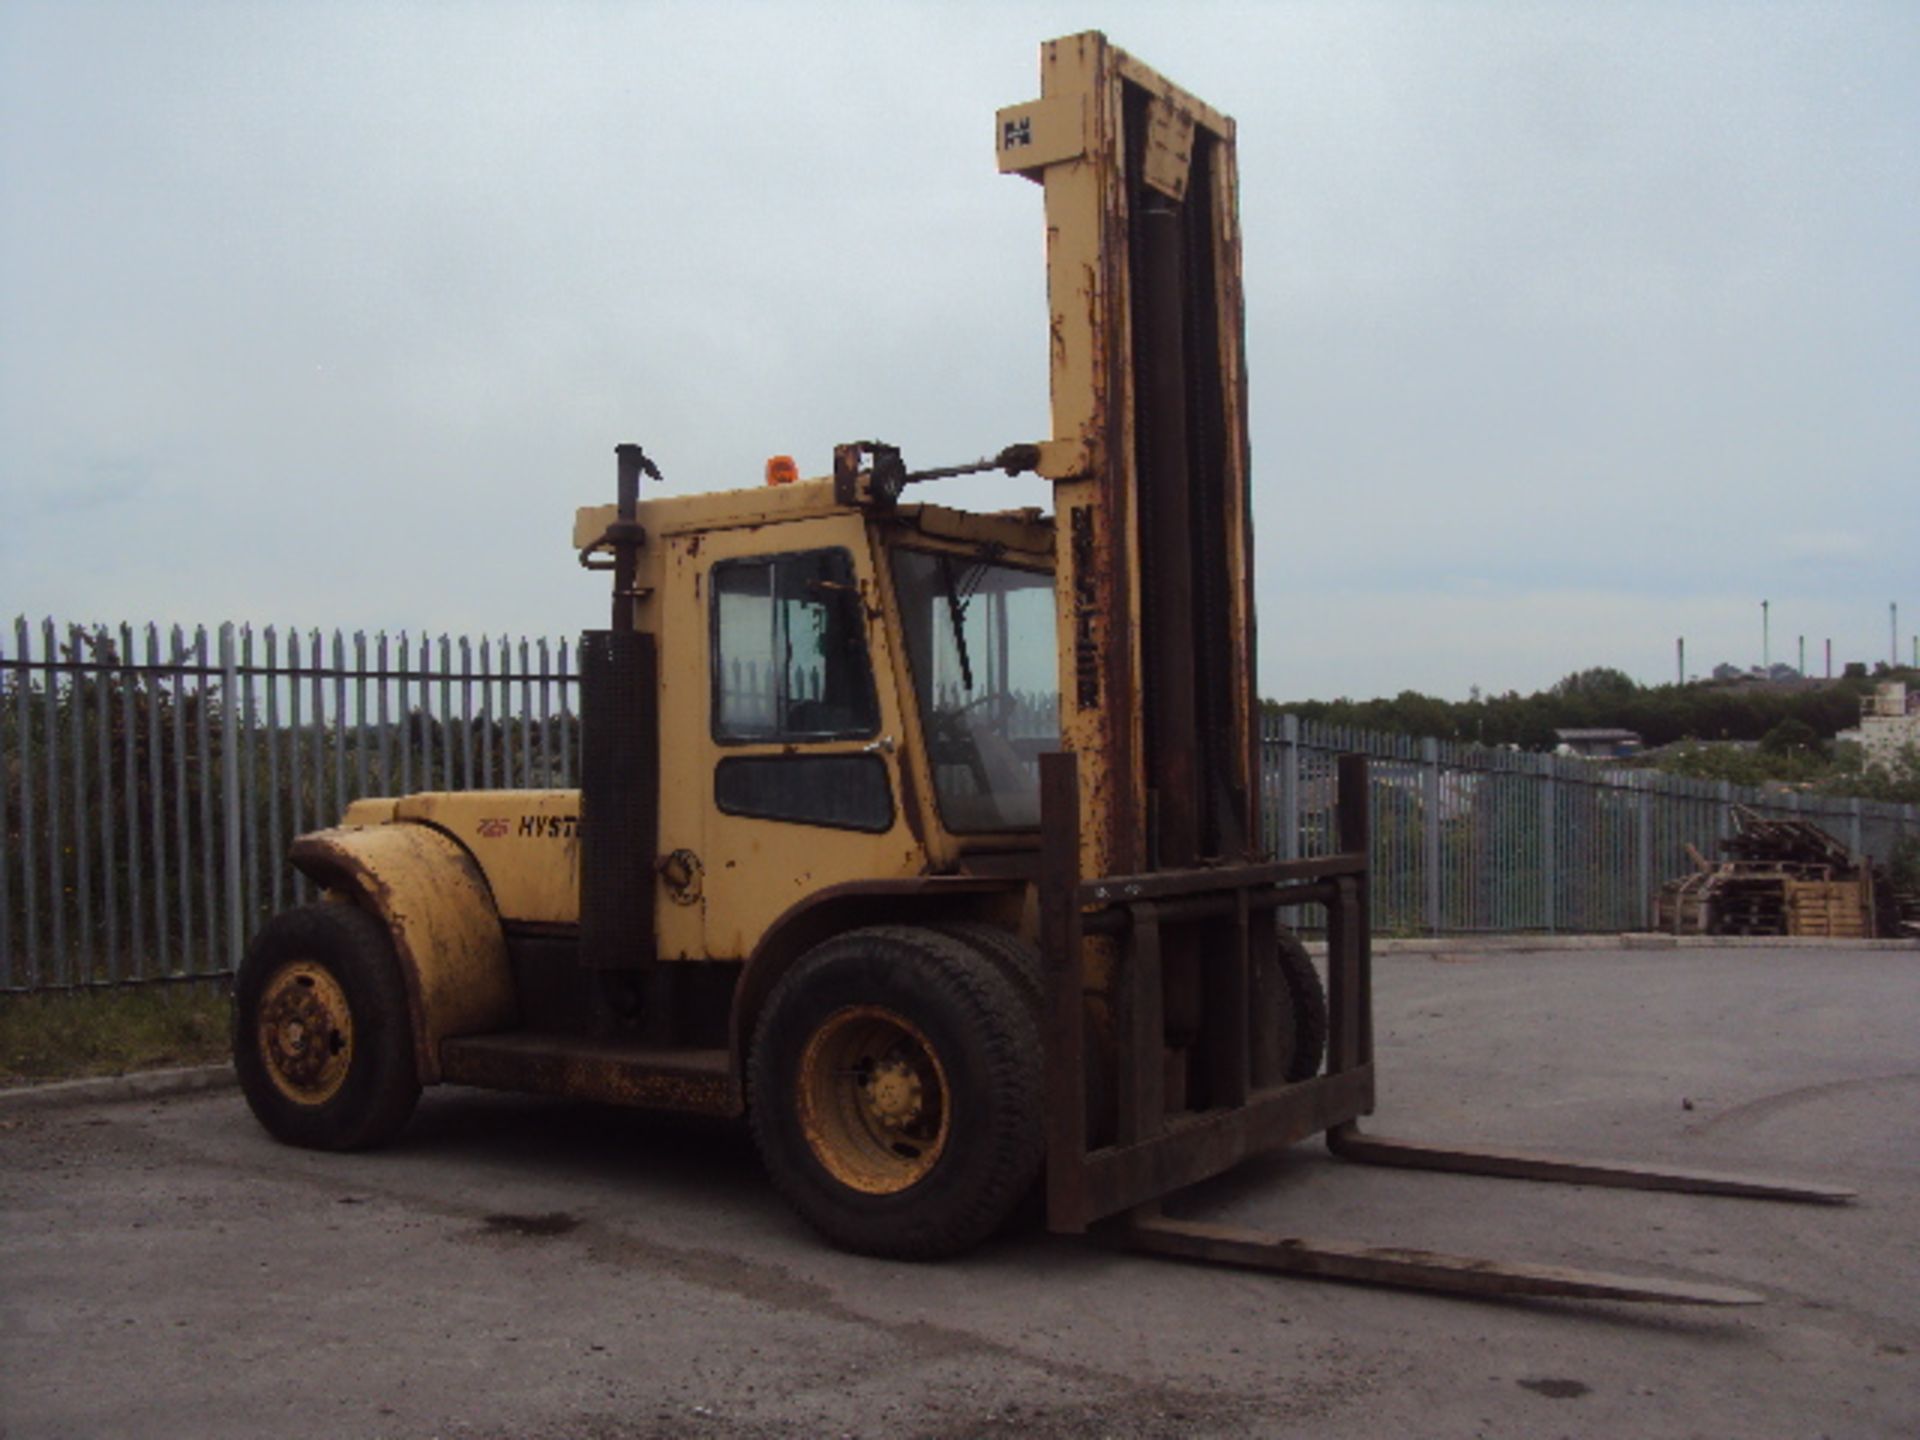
[(1766, 640), (1893, 630), (1680, 660), (1803, 657)]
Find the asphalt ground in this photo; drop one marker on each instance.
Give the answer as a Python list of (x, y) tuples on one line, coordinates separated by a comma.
[(527, 1268)]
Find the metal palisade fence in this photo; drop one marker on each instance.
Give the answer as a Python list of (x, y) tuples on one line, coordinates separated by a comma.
[(150, 784), (1474, 840)]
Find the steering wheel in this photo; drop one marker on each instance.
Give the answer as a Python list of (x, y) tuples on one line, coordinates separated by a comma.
[(997, 698), (950, 739)]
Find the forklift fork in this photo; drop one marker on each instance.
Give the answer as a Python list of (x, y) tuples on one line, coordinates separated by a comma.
[(1348, 1142), (1160, 1149)]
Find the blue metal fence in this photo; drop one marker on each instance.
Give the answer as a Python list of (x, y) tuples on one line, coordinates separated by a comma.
[(151, 782), (1475, 840)]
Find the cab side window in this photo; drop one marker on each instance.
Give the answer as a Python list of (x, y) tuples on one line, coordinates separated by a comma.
[(790, 651)]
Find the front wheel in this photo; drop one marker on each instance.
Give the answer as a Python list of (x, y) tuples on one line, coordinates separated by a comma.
[(1290, 1010), (322, 1040), (895, 1087)]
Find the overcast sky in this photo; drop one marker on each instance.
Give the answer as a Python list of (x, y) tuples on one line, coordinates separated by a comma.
[(1572, 329)]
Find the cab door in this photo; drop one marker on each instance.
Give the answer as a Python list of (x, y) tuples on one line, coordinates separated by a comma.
[(799, 750)]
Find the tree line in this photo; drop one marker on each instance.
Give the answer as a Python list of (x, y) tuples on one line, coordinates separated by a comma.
[(1602, 697), (1788, 729)]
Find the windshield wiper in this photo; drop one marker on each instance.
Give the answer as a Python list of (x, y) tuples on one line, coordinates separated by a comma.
[(957, 617), (959, 597)]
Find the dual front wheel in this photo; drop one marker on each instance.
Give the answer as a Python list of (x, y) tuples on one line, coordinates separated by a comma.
[(895, 1091), (896, 1082)]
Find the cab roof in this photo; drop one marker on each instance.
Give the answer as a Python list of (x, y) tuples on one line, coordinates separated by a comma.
[(1027, 531)]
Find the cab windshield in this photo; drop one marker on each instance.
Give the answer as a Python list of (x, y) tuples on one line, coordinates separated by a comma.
[(980, 638)]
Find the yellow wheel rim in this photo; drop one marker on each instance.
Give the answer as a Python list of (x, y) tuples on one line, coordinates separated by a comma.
[(873, 1100), (306, 1032)]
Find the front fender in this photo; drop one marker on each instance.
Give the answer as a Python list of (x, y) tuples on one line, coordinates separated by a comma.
[(446, 933)]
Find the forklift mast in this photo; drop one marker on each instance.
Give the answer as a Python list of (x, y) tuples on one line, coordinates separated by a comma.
[(1154, 573)]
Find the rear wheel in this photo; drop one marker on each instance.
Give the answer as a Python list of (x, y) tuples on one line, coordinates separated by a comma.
[(322, 1041), (895, 1089)]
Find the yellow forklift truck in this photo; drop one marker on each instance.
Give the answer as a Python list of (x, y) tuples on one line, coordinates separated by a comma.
[(927, 841)]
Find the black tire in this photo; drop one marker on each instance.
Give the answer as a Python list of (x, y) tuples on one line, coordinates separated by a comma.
[(1291, 1041), (1023, 964), (1016, 958), (310, 1079), (1309, 998), (950, 1027)]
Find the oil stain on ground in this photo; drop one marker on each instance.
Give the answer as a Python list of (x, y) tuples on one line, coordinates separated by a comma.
[(556, 1222), (1557, 1389)]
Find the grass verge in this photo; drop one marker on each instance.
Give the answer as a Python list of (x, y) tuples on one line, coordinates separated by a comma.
[(109, 1032)]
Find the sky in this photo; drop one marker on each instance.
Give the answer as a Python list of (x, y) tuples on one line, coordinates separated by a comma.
[(1572, 329)]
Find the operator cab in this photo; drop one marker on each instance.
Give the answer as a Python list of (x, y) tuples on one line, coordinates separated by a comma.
[(847, 692)]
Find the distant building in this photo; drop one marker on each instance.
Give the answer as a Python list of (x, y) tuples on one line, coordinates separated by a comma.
[(1597, 744), (1889, 721)]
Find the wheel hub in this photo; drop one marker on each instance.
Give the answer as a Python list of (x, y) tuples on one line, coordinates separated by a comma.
[(893, 1093), (306, 1032), (873, 1100)]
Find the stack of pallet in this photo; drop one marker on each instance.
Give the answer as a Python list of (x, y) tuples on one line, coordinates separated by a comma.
[(1842, 909), (1776, 877)]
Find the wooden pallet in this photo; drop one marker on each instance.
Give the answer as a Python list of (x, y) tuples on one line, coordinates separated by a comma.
[(1777, 877), (1684, 906), (1840, 909)]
